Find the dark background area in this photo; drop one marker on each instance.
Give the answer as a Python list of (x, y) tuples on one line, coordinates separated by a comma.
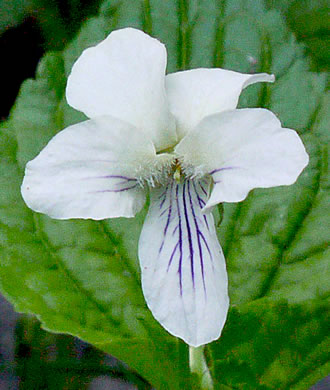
[(33, 359), (21, 48)]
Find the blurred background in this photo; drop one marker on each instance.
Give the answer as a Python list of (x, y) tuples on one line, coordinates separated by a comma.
[(31, 358)]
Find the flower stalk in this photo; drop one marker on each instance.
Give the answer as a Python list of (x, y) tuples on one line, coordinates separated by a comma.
[(199, 368)]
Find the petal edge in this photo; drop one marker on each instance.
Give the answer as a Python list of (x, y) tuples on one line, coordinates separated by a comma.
[(88, 170), (243, 149), (197, 93), (123, 76)]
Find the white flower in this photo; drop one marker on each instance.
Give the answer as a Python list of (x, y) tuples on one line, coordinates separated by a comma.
[(179, 136)]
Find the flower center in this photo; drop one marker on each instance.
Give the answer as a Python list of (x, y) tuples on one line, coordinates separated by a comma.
[(157, 173), (177, 173)]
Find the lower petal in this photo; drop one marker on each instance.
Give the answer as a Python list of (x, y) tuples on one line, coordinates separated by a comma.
[(184, 275)]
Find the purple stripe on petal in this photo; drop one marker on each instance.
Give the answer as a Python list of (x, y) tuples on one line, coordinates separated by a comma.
[(117, 177), (162, 202), (171, 258), (203, 189), (207, 246), (201, 202), (164, 193), (201, 233), (175, 229), (206, 222), (164, 196), (186, 234), (180, 237), (169, 209), (118, 190), (191, 248), (124, 178), (164, 212), (221, 169), (198, 233)]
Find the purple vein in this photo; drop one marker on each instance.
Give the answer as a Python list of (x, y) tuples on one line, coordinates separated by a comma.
[(163, 193), (207, 225), (191, 248), (164, 212), (117, 177), (221, 169), (120, 190), (171, 258), (206, 222), (168, 219), (201, 204), (175, 229), (180, 237), (169, 211), (203, 189), (198, 233), (207, 247), (124, 180)]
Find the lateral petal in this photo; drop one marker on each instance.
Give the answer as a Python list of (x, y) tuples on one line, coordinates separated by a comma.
[(90, 170), (184, 277), (197, 93), (243, 149), (124, 76)]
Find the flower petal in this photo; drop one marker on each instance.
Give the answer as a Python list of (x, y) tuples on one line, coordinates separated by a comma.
[(241, 150), (195, 94), (90, 170), (124, 76), (184, 277)]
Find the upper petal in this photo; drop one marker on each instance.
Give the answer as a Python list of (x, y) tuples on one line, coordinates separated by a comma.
[(124, 76), (197, 93), (241, 150), (184, 277), (90, 170)]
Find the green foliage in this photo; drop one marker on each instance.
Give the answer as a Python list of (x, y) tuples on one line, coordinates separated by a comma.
[(269, 345), (82, 277), (309, 19)]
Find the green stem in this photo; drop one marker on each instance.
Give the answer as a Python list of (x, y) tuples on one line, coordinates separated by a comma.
[(199, 368)]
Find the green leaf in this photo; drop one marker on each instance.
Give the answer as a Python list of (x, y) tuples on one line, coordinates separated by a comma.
[(269, 345), (309, 20), (82, 277)]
